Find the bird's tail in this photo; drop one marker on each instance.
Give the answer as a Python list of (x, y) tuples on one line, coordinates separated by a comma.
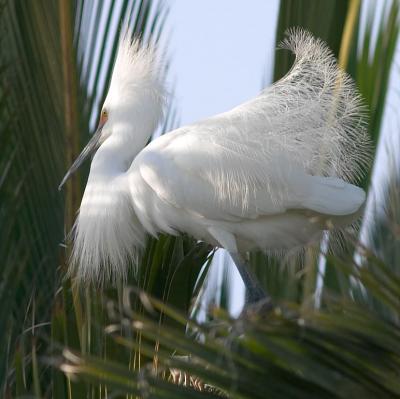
[(333, 196)]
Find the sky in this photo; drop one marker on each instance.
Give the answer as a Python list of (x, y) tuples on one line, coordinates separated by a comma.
[(220, 51)]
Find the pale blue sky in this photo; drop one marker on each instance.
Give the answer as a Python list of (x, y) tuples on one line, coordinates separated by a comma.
[(219, 52)]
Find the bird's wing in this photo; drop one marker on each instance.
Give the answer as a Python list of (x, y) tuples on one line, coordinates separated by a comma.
[(191, 172), (257, 158)]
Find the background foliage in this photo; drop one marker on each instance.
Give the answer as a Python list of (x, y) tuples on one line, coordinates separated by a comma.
[(334, 331)]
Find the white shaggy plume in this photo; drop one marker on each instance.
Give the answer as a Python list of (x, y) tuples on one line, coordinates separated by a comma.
[(311, 120)]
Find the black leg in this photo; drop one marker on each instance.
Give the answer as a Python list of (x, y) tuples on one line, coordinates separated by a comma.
[(255, 293)]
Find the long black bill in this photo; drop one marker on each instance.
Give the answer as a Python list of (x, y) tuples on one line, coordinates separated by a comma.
[(90, 148)]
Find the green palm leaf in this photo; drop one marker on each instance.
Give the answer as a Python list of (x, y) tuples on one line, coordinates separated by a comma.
[(348, 348)]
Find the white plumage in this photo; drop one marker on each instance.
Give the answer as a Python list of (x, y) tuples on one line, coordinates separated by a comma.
[(270, 174)]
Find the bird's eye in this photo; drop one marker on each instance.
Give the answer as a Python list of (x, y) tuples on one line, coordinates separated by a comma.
[(103, 117)]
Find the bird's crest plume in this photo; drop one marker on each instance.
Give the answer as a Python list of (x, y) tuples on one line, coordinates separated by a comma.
[(137, 69)]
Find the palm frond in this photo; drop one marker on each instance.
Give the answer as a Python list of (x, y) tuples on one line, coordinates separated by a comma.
[(348, 348)]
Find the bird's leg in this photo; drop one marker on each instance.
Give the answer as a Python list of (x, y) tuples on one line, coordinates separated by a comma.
[(256, 296)]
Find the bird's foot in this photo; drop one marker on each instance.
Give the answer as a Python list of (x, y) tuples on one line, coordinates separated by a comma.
[(262, 307)]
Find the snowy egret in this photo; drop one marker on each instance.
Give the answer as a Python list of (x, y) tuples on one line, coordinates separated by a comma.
[(270, 174)]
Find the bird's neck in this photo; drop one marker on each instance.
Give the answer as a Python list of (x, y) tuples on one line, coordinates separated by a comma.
[(118, 151), (107, 232)]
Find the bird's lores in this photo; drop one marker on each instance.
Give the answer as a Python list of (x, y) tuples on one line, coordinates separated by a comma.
[(270, 174)]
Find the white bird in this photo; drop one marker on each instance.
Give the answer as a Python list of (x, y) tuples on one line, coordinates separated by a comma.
[(270, 174)]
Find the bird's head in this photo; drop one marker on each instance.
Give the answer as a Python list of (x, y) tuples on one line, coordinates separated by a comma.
[(135, 100)]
